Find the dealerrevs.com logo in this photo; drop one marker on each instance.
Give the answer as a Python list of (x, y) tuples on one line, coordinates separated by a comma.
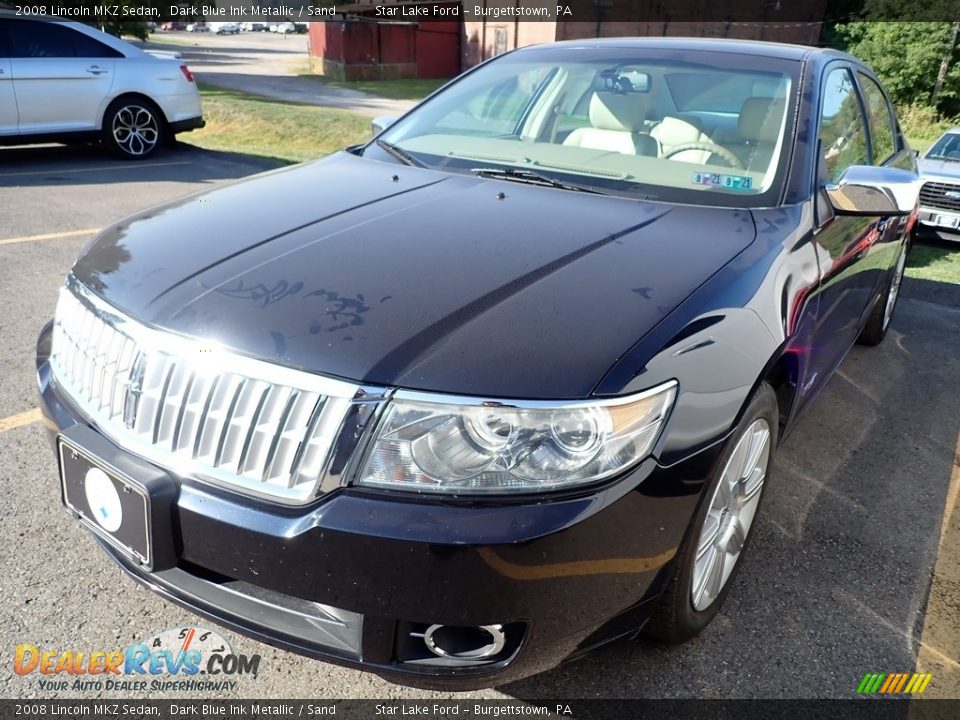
[(179, 659)]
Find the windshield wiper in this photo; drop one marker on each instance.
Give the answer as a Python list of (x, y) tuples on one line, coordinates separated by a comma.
[(532, 178), (398, 154)]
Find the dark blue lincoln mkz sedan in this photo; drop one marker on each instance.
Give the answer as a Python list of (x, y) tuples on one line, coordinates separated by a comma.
[(505, 383)]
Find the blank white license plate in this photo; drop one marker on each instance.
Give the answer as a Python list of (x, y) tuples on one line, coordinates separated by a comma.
[(945, 221)]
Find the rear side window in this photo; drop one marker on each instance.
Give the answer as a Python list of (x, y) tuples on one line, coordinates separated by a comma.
[(883, 129), (843, 130), (6, 47), (44, 39)]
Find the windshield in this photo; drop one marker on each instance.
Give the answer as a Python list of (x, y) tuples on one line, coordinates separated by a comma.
[(709, 128), (946, 148)]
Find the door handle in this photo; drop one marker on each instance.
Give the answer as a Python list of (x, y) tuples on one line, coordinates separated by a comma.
[(96, 70)]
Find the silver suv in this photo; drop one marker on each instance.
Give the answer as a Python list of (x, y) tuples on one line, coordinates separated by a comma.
[(940, 194)]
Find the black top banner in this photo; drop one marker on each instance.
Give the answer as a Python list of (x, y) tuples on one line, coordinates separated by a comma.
[(498, 11)]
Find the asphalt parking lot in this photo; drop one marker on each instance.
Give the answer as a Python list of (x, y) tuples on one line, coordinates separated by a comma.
[(858, 519)]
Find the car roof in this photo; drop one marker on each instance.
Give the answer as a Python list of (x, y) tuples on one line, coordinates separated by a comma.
[(760, 48)]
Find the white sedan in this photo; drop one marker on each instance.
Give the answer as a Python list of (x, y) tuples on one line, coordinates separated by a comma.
[(62, 81)]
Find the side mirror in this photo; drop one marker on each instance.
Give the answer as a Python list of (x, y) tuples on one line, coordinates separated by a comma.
[(382, 123), (870, 190)]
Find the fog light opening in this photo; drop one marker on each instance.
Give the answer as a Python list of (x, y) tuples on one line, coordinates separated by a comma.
[(465, 643)]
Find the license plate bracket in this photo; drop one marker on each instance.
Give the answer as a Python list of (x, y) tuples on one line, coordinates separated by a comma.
[(134, 500)]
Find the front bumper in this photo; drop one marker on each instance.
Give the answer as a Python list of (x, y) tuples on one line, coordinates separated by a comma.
[(561, 575), (943, 222)]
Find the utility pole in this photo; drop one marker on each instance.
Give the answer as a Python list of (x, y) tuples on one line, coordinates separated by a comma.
[(945, 64)]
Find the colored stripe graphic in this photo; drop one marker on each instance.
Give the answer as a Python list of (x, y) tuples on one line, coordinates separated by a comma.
[(893, 684)]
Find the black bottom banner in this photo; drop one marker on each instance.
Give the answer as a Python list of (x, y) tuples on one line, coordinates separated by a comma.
[(860, 709)]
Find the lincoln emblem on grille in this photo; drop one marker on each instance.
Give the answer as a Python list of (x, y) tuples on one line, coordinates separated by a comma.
[(134, 391)]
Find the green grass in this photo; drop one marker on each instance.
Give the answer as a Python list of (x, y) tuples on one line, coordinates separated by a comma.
[(161, 38), (922, 126), (284, 131), (405, 89), (940, 263)]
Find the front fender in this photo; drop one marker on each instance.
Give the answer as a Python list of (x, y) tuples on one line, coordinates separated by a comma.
[(750, 321)]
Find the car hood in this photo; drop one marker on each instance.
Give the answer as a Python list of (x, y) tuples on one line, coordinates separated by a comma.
[(939, 168), (416, 278)]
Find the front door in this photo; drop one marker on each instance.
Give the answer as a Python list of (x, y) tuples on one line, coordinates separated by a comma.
[(8, 101), (846, 245), (61, 77)]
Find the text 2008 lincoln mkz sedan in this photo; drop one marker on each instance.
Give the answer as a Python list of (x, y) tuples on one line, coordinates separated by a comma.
[(501, 385)]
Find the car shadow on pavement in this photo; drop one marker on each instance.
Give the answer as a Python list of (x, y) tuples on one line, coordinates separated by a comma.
[(836, 580), (56, 165)]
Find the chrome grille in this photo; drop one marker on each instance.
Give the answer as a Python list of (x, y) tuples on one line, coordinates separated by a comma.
[(934, 194), (246, 424)]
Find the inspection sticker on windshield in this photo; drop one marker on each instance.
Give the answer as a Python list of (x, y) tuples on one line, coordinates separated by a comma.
[(727, 182)]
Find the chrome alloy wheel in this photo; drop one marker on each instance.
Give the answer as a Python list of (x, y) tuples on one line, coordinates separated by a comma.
[(135, 130), (894, 291), (732, 508)]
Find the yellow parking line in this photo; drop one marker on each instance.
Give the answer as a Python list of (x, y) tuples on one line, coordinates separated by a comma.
[(102, 168), (940, 637), (49, 236), (24, 418)]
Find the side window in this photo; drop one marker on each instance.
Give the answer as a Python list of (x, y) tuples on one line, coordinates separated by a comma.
[(45, 39), (882, 126), (85, 46), (6, 48), (843, 131)]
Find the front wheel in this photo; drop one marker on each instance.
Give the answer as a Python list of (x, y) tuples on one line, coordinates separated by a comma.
[(133, 128), (707, 560)]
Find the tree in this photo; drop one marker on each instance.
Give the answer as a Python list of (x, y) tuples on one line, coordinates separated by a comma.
[(120, 27), (134, 28), (909, 57), (945, 64)]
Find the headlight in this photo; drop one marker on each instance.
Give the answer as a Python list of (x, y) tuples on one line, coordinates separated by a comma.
[(426, 443)]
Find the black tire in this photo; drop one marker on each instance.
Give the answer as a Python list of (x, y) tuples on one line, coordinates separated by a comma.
[(133, 128), (878, 324), (675, 619)]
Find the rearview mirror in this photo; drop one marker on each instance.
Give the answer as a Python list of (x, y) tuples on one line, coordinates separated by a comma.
[(382, 123), (870, 190)]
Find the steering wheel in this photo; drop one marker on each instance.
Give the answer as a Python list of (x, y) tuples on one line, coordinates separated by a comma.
[(731, 159)]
